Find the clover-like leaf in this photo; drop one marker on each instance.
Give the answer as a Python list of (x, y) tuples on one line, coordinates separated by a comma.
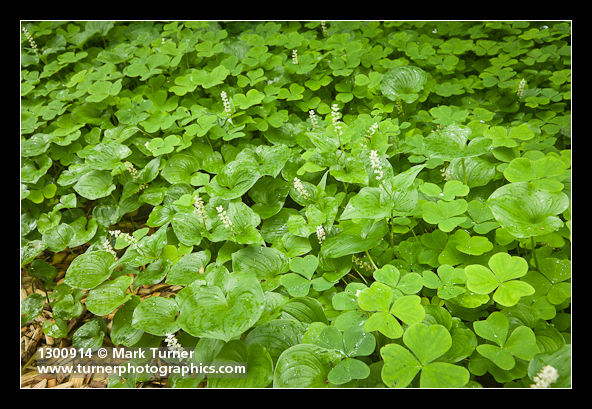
[(502, 276)]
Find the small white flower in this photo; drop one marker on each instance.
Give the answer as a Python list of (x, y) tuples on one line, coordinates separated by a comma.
[(521, 87), (200, 209), (295, 57), (361, 263), (300, 188), (173, 343), (107, 246), (30, 38), (376, 165), (371, 131), (335, 115), (313, 118), (320, 234), (226, 103), (546, 376), (224, 218), (131, 169), (128, 238), (324, 27)]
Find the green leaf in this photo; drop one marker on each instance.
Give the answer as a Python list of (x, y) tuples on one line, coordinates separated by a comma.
[(304, 366), (385, 323), (368, 203), (377, 297), (122, 331), (258, 360), (347, 370), (526, 211), (276, 335), (244, 101), (57, 238), (305, 266), (156, 316), (90, 334), (187, 269), (505, 269), (408, 309), (90, 269), (403, 83), (522, 343), (223, 312), (357, 342), (95, 185), (265, 263), (443, 375), (494, 328), (400, 366), (105, 298), (296, 285), (427, 342)]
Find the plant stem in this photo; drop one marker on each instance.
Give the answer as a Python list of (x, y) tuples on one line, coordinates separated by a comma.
[(371, 261), (536, 262), (361, 276), (464, 170), (413, 231)]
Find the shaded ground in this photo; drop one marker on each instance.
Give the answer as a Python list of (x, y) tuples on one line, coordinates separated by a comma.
[(32, 337)]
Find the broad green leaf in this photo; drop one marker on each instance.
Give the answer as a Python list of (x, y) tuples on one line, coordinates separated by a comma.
[(378, 297), (188, 269), (347, 370), (105, 298), (385, 323), (157, 316), (526, 211), (403, 83), (259, 364), (95, 185), (522, 343), (304, 366), (122, 331), (88, 270), (223, 313)]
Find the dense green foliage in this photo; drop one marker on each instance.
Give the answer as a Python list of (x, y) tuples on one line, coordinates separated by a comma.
[(344, 204)]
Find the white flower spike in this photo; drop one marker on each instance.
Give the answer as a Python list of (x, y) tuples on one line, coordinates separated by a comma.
[(546, 376)]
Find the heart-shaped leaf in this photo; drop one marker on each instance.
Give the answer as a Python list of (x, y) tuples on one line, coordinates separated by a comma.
[(156, 316), (90, 269), (403, 83), (427, 342), (526, 211), (223, 312)]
